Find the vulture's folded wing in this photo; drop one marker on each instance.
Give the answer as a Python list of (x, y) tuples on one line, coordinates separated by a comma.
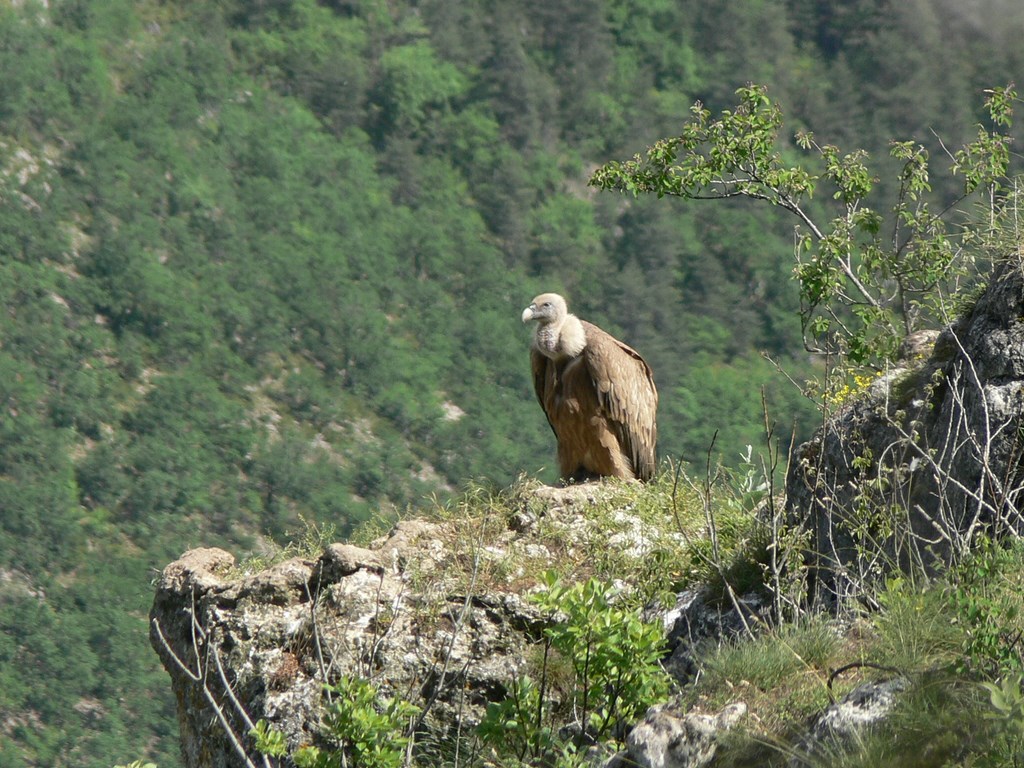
[(626, 393), (543, 382)]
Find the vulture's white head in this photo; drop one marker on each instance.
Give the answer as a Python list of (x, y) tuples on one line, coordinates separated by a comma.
[(546, 309), (559, 334)]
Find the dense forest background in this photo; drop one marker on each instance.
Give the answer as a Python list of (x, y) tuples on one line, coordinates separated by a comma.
[(263, 263)]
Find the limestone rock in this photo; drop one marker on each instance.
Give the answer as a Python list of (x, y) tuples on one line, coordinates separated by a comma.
[(282, 584), (275, 636), (407, 613), (839, 726), (196, 571), (669, 738), (701, 618), (937, 436), (341, 560)]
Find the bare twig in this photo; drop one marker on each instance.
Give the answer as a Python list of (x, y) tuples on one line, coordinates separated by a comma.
[(456, 629), (715, 560), (857, 665), (199, 676)]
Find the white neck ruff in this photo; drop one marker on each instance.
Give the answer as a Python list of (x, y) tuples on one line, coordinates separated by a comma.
[(566, 339)]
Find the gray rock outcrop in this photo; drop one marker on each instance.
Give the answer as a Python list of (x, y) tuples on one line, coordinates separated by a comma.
[(846, 721), (422, 614), (701, 619), (926, 458), (240, 648), (670, 738)]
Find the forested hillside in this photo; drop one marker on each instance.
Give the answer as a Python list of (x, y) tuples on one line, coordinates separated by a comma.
[(263, 263)]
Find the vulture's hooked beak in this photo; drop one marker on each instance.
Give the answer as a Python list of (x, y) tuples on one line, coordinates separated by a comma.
[(528, 313)]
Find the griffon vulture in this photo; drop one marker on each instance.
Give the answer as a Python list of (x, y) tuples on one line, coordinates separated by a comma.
[(597, 393)]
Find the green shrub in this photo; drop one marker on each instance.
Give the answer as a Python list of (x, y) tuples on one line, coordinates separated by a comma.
[(987, 602), (370, 732), (615, 672)]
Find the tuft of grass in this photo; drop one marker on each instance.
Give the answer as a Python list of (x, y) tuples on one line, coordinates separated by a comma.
[(936, 635), (989, 608), (308, 542), (781, 674), (916, 628)]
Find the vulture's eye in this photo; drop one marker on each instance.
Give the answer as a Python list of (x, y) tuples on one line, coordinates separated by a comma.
[(546, 304)]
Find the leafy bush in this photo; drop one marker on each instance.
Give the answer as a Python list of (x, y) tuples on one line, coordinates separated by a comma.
[(369, 732), (986, 597), (616, 673)]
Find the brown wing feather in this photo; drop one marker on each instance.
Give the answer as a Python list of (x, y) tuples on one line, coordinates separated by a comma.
[(626, 393), (543, 382)]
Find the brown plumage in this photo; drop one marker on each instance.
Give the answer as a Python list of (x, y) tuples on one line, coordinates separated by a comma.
[(597, 393)]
